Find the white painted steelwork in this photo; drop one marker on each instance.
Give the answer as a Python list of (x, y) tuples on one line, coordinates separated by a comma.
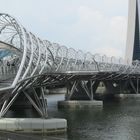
[(26, 62)]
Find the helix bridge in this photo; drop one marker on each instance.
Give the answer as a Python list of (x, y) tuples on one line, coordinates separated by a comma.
[(29, 65)]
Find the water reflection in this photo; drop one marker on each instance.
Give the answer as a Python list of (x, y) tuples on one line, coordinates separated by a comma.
[(116, 121)]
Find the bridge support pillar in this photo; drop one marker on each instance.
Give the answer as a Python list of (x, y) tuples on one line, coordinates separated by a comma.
[(30, 97), (80, 94), (81, 90)]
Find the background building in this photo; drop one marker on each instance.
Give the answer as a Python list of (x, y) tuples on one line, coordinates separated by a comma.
[(133, 33)]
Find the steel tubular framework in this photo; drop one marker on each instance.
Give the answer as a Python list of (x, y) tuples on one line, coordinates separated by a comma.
[(26, 61)]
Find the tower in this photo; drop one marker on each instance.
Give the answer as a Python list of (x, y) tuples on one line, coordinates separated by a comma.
[(133, 33)]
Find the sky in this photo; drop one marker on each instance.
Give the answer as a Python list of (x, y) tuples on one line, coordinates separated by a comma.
[(96, 26)]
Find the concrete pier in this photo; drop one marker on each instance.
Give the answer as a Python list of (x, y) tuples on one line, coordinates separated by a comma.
[(33, 125), (57, 91), (126, 96), (79, 104)]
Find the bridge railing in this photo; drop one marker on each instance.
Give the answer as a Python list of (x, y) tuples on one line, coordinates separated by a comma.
[(7, 71)]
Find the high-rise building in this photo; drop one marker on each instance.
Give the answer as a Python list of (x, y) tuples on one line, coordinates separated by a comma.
[(133, 32)]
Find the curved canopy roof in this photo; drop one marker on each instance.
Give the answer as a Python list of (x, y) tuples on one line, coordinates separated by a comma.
[(7, 50)]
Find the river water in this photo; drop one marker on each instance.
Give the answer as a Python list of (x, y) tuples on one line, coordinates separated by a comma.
[(115, 121)]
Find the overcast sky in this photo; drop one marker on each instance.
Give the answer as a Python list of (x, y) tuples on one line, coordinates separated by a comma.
[(98, 26)]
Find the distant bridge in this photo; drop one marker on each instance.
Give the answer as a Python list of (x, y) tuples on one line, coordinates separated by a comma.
[(29, 65)]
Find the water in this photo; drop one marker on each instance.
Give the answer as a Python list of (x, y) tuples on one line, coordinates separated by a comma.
[(116, 121)]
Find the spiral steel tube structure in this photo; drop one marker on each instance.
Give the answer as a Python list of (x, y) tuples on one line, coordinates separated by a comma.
[(27, 61), (31, 56)]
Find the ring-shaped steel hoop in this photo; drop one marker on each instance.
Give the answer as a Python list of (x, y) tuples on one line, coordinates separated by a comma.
[(50, 57), (59, 56), (71, 58), (22, 45), (80, 60), (89, 61)]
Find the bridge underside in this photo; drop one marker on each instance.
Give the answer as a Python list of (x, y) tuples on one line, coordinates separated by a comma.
[(100, 89), (80, 86), (100, 85)]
